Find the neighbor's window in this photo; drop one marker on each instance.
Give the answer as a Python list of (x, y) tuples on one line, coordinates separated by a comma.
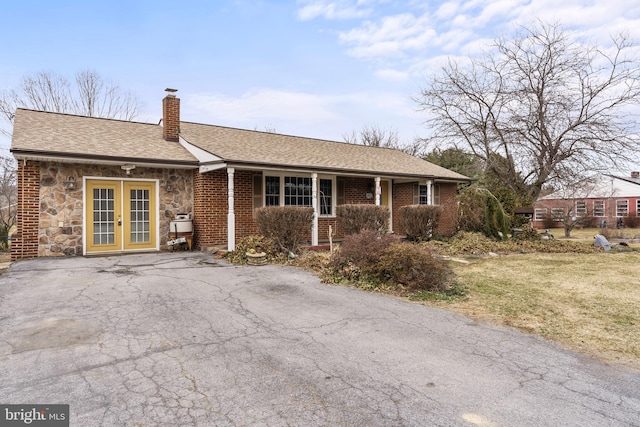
[(598, 208), (540, 214), (581, 208), (326, 197), (557, 214), (272, 191), (622, 207)]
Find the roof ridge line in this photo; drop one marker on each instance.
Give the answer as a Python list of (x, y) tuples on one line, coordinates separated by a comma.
[(86, 117)]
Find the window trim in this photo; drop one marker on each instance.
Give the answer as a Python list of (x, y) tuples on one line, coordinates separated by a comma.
[(435, 194), (281, 200), (604, 209), (537, 212), (555, 217), (618, 210)]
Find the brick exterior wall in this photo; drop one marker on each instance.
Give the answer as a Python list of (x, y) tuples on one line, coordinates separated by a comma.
[(243, 201), (210, 208), (356, 189), (24, 242), (44, 203), (632, 219), (402, 196), (449, 202)]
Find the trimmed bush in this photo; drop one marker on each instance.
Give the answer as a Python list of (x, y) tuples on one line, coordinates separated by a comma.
[(419, 221), (415, 267), (287, 226), (353, 219)]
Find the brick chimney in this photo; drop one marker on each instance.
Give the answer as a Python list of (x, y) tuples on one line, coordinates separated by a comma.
[(635, 174), (171, 115)]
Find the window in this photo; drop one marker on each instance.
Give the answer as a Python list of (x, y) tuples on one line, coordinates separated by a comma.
[(422, 194), (424, 198), (581, 208), (598, 208), (540, 214), (272, 191), (326, 197), (622, 207), (557, 214), (297, 191), (638, 207), (139, 216), (103, 216)]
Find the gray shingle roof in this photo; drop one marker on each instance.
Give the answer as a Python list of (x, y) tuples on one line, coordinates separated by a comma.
[(264, 148), (63, 134)]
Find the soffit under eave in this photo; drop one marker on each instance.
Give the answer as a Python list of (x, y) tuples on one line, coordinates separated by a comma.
[(149, 163), (341, 172)]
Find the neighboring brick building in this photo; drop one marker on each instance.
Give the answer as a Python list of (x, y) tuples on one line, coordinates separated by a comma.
[(90, 185), (610, 199)]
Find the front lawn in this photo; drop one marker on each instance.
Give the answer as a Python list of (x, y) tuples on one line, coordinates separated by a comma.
[(587, 302), (565, 290)]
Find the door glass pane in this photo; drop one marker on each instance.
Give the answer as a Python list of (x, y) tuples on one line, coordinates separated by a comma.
[(139, 216), (103, 216)]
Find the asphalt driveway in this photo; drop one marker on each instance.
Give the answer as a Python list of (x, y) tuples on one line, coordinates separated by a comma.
[(182, 339)]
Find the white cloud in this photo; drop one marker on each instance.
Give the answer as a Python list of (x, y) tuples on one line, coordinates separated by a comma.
[(339, 9), (393, 36), (447, 10), (399, 41)]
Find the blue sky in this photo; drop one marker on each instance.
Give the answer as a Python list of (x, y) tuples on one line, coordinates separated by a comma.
[(317, 68)]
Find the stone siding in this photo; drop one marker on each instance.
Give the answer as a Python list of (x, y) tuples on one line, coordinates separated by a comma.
[(61, 209)]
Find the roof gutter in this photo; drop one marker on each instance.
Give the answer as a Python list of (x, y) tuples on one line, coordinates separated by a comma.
[(98, 159)]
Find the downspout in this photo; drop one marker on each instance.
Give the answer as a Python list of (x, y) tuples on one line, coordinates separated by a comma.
[(21, 222), (314, 205)]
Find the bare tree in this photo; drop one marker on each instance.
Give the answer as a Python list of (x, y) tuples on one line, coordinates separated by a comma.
[(546, 105), (91, 95), (8, 198), (374, 136)]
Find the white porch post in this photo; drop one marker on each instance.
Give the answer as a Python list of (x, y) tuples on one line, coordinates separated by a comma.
[(378, 191), (231, 216), (429, 198), (314, 204)]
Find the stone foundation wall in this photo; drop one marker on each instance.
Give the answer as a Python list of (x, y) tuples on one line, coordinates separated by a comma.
[(61, 209)]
